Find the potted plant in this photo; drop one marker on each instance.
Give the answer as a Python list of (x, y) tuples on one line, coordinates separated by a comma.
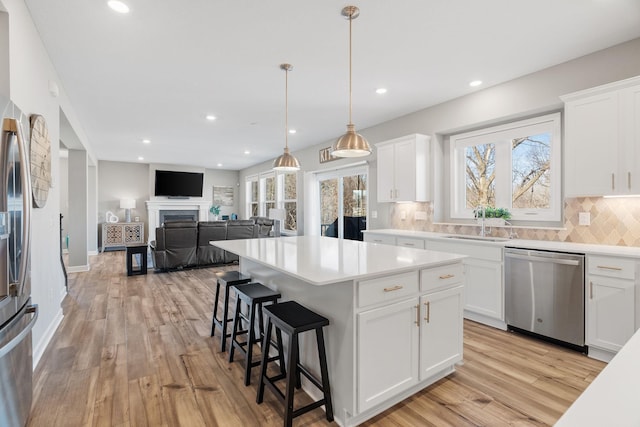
[(491, 216), (215, 211)]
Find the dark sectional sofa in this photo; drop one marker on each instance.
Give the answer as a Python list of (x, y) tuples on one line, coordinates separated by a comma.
[(181, 244)]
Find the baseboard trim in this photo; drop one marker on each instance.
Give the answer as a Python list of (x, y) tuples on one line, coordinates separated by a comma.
[(39, 349), (92, 253), (77, 268)]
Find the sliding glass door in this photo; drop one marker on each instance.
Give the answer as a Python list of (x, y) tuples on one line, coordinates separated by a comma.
[(343, 203)]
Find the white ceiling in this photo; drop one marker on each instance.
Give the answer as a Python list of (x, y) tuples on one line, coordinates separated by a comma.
[(157, 71)]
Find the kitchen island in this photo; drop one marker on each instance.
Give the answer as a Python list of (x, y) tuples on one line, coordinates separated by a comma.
[(395, 313)]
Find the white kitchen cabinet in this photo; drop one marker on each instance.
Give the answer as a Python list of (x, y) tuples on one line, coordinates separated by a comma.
[(403, 166), (483, 279), (388, 337), (415, 338), (441, 330), (410, 242), (610, 314), (602, 134), (384, 239)]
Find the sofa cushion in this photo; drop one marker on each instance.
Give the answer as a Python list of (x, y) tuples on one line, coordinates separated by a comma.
[(180, 224), (208, 231)]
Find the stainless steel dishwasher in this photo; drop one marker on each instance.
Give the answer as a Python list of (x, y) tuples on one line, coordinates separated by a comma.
[(544, 295)]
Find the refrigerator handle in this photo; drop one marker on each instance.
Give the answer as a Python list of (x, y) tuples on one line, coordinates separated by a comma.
[(12, 125), (5, 349)]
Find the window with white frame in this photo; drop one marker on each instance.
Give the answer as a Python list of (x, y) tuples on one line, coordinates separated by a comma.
[(274, 190), (514, 166)]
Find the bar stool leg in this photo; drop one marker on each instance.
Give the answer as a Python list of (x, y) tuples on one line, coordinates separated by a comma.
[(225, 320), (251, 333), (236, 322), (283, 369), (266, 343), (215, 309), (291, 382), (325, 374)]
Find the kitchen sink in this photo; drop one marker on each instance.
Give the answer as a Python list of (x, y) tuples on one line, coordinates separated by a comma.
[(479, 238)]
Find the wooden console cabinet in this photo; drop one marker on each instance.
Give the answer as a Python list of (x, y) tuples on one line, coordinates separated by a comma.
[(120, 234)]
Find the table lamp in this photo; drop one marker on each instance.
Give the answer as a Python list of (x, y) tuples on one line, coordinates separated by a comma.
[(127, 205)]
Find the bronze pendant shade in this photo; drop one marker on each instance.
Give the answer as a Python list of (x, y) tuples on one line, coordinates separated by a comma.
[(286, 161), (351, 144)]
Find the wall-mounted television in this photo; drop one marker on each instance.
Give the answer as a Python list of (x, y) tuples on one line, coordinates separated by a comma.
[(179, 184)]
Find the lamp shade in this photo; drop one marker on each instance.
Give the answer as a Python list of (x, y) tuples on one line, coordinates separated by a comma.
[(351, 144), (276, 214), (286, 162), (127, 204)]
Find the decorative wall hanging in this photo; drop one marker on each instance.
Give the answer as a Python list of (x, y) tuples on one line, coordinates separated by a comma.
[(40, 153)]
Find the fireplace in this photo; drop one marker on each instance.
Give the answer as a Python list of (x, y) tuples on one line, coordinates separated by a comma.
[(178, 215), (189, 209)]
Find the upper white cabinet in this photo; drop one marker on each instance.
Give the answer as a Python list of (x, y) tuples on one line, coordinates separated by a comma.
[(403, 166), (602, 134)]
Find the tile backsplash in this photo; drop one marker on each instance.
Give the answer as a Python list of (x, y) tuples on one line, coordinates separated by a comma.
[(614, 221)]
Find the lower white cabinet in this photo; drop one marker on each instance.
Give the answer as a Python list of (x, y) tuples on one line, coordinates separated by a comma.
[(387, 336), (440, 331), (413, 339), (611, 297), (484, 281), (384, 239)]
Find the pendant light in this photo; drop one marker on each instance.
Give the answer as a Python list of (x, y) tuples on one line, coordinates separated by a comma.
[(286, 162), (351, 144)]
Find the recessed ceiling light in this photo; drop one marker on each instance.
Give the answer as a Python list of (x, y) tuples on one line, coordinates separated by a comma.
[(210, 117), (475, 83), (381, 90), (219, 165), (292, 131), (146, 141), (247, 152), (140, 158), (118, 6)]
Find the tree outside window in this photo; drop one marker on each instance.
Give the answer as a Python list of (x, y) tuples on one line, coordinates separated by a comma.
[(515, 166)]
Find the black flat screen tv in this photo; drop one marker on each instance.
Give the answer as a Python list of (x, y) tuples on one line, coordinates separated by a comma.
[(179, 184)]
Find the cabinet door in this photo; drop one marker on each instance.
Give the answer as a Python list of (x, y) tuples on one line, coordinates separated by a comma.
[(484, 292), (610, 312), (630, 137), (388, 340), (592, 146), (386, 170), (383, 239), (405, 171), (440, 331)]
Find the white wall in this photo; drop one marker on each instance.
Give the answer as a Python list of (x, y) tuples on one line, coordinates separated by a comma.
[(30, 72), (531, 94)]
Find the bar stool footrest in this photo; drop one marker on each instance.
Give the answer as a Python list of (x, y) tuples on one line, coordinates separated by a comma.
[(307, 408)]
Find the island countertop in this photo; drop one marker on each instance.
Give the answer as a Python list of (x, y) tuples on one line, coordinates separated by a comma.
[(324, 260)]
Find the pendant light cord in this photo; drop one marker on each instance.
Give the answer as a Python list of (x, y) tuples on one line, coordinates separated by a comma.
[(286, 108), (350, 68)]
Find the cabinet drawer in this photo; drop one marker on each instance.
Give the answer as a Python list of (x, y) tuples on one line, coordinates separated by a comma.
[(441, 277), (388, 288), (410, 242), (380, 238), (622, 268)]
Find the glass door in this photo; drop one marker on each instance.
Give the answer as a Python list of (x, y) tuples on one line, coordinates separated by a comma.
[(343, 203)]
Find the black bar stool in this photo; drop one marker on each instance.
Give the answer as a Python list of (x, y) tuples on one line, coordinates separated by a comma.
[(254, 295), (226, 280), (293, 319)]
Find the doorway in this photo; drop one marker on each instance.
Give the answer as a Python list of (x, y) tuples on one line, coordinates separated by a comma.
[(343, 203)]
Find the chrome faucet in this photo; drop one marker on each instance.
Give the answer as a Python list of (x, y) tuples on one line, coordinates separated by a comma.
[(480, 209)]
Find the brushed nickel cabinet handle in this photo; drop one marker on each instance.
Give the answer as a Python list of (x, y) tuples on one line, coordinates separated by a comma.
[(391, 194), (606, 267), (418, 315), (613, 181), (428, 316), (629, 180), (409, 244), (447, 276), (393, 288), (590, 290)]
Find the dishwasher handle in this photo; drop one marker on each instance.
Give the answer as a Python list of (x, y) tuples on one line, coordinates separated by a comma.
[(534, 258), (5, 349)]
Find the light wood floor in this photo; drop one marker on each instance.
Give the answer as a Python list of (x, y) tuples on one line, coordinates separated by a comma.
[(136, 351)]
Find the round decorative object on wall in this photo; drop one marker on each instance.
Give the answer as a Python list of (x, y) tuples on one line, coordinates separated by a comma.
[(40, 160)]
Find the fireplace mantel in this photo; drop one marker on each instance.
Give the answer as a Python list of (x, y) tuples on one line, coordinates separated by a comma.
[(155, 206)]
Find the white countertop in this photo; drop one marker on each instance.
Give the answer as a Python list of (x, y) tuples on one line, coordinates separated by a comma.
[(591, 249), (613, 398), (325, 260)]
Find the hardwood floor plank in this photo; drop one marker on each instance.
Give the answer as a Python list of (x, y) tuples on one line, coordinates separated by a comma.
[(136, 351)]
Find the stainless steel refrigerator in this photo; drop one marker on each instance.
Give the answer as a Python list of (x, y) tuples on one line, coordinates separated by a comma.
[(17, 314)]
